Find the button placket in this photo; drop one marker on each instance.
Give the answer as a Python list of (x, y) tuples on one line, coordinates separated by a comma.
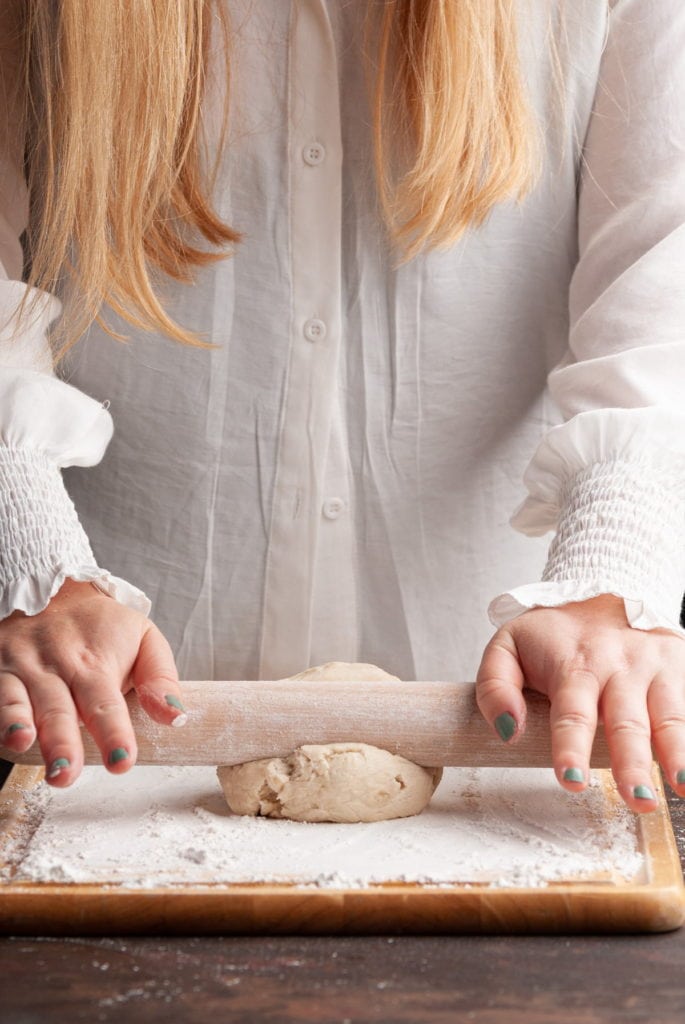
[(335, 622), (315, 202)]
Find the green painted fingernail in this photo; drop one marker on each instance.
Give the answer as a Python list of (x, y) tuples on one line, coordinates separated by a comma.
[(505, 725), (174, 702), (680, 777), (643, 793), (117, 755), (56, 767), (573, 775), (15, 727)]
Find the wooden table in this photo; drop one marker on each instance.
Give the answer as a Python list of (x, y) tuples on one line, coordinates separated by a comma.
[(417, 980)]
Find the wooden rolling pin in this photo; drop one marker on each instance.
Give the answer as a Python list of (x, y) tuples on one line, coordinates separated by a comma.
[(431, 723)]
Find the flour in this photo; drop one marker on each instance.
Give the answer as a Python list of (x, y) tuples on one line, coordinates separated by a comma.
[(156, 827)]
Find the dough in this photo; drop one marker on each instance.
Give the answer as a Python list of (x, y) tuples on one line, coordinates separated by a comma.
[(340, 782), (332, 782), (342, 670)]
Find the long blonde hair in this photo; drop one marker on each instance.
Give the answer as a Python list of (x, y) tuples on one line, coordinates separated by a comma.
[(115, 158)]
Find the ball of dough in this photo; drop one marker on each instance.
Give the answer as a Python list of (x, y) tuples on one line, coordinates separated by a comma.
[(342, 782), (339, 782), (333, 671)]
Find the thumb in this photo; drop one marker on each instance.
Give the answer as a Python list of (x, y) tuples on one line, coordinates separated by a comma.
[(499, 686), (155, 678)]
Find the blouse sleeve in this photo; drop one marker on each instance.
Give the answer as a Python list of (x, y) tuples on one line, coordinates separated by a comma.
[(45, 424), (610, 480)]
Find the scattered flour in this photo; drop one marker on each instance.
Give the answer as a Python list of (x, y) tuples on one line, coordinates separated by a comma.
[(168, 826)]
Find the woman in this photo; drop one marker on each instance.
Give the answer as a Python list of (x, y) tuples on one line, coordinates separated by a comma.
[(467, 261)]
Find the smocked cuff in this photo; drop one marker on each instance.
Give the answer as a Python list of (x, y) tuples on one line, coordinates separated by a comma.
[(42, 542), (621, 530)]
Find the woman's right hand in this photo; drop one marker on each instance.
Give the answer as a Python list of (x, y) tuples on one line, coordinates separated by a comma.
[(75, 660)]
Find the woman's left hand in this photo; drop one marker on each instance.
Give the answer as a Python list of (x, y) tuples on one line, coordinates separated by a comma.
[(591, 663)]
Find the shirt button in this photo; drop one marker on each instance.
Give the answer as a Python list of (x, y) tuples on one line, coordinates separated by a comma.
[(313, 153), (333, 507), (314, 329)]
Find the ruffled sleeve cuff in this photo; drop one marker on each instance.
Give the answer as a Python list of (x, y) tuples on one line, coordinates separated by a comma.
[(42, 540), (620, 529)]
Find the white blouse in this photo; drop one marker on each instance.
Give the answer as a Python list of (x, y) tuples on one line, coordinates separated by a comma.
[(335, 480)]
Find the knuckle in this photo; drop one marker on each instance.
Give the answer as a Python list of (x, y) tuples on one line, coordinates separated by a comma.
[(580, 671), (583, 654), (103, 707), (155, 633), (17, 654), (85, 662), (673, 721), (502, 642), (89, 658), (13, 707), (52, 668), (492, 687), (629, 727), (574, 720), (54, 717), (7, 649)]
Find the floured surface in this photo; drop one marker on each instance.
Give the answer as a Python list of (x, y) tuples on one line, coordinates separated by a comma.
[(170, 826)]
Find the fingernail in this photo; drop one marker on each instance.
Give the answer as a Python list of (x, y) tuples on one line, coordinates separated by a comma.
[(643, 793), (574, 775), (15, 727), (505, 725), (117, 755), (680, 777), (174, 702), (57, 766)]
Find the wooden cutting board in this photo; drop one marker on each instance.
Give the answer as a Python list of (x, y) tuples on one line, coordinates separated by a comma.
[(652, 901)]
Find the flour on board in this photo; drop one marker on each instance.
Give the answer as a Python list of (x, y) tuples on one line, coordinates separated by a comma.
[(168, 826)]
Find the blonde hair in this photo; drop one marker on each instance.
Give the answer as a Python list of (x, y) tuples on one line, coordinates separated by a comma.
[(452, 101), (116, 160)]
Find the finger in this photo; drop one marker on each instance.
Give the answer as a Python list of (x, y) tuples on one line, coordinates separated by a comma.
[(17, 730), (499, 683), (58, 733), (155, 679), (104, 713), (666, 706), (573, 722), (627, 728)]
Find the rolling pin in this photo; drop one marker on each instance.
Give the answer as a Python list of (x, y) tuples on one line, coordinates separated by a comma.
[(431, 723)]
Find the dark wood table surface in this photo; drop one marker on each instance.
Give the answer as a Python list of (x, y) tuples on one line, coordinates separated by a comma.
[(346, 980)]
